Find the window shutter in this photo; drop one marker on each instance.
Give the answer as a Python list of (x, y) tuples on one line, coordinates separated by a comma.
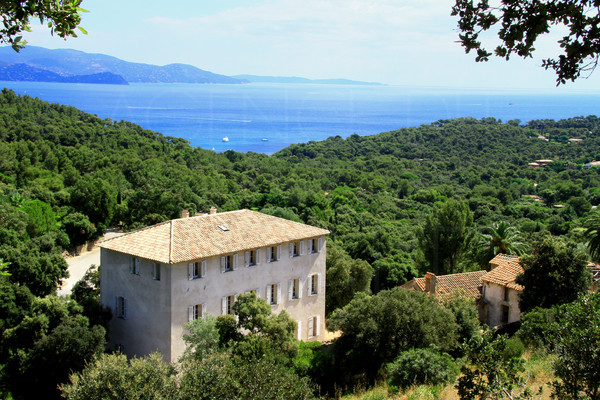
[(268, 294), (311, 321), (278, 252), (224, 305), (223, 262), (319, 288), (190, 313), (309, 285), (318, 327), (278, 300), (258, 256), (203, 269), (290, 289), (310, 246), (124, 308), (235, 262), (269, 253), (203, 309), (131, 265), (136, 268), (302, 247), (190, 271), (291, 249), (300, 287), (247, 258), (117, 306), (299, 336), (320, 244)]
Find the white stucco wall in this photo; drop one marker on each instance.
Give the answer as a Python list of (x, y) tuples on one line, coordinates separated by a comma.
[(146, 326), (158, 310), (493, 296)]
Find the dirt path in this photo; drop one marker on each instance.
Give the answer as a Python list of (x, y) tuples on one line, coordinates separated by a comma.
[(78, 265)]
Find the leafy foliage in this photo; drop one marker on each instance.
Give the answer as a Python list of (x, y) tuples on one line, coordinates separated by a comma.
[(61, 17), (490, 375), (375, 329), (421, 367), (521, 24), (555, 273)]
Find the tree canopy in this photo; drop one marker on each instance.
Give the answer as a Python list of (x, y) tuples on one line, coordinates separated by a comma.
[(519, 25)]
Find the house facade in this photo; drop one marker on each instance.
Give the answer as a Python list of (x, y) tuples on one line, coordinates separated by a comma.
[(499, 304), (158, 278)]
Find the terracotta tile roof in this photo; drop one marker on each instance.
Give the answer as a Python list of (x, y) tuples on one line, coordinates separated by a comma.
[(505, 271), (194, 238), (468, 282)]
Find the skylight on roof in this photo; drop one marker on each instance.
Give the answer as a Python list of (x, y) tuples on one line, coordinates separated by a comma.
[(223, 228)]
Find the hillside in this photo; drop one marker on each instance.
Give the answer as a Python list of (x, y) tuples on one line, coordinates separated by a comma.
[(66, 62), (299, 80), (24, 72), (371, 192)]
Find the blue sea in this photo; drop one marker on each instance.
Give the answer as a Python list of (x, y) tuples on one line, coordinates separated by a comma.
[(268, 117)]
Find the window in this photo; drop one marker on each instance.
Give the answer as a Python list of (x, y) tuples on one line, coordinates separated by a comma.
[(505, 312), (229, 262), (314, 245), (227, 304), (294, 289), (121, 307), (251, 257), (197, 270), (299, 330), (273, 294), (273, 253), (134, 265), (196, 311), (156, 271), (506, 293), (313, 326), (314, 282)]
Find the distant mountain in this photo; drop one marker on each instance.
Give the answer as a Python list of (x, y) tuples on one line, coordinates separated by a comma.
[(295, 79), (66, 62), (24, 72)]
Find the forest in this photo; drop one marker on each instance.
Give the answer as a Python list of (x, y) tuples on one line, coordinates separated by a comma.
[(66, 176)]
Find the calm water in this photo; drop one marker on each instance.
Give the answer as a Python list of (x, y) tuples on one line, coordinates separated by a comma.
[(285, 114)]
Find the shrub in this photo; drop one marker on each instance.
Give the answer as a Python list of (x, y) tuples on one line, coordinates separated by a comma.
[(421, 367)]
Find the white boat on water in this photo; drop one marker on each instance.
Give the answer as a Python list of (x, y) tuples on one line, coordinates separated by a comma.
[(225, 139), (264, 139)]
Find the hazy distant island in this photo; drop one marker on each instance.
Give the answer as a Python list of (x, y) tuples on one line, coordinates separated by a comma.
[(295, 79), (38, 64), (66, 63)]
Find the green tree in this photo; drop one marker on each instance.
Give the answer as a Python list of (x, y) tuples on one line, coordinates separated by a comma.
[(520, 25), (201, 338), (501, 238), (574, 336), (50, 341), (592, 234), (61, 17), (113, 377), (96, 198), (421, 367), (489, 375), (375, 329), (86, 292), (345, 277), (394, 270), (445, 236), (42, 218), (554, 273)]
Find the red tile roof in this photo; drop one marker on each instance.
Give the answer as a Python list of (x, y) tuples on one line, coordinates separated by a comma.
[(194, 238), (467, 282), (505, 269)]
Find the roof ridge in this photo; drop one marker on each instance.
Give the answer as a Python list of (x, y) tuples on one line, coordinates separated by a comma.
[(134, 231), (171, 242)]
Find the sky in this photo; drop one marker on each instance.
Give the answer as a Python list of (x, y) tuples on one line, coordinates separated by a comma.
[(403, 42)]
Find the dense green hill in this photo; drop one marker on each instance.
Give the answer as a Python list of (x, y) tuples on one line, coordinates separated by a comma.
[(372, 192)]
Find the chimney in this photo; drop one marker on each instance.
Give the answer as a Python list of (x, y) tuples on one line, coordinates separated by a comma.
[(185, 214), (213, 210), (430, 281)]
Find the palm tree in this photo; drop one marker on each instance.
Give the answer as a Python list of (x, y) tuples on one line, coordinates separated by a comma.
[(592, 234), (501, 238)]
